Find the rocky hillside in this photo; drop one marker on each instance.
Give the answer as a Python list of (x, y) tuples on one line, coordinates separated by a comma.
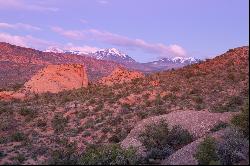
[(18, 64), (74, 126)]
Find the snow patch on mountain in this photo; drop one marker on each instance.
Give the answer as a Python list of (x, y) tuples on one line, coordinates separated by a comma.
[(189, 60), (66, 51), (54, 50), (112, 54)]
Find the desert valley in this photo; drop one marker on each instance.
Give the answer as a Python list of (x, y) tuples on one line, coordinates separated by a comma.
[(72, 93)]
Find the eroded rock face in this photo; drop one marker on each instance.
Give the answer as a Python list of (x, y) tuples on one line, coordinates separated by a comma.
[(56, 78), (119, 76)]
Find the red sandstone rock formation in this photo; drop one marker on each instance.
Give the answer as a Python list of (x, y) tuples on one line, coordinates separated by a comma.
[(119, 76), (56, 78)]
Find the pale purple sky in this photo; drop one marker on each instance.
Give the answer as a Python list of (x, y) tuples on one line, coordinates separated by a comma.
[(144, 29)]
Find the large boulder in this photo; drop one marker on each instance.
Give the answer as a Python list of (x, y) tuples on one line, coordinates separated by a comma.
[(56, 78), (198, 123)]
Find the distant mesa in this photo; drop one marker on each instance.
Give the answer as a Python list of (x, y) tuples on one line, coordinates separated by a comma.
[(56, 78), (120, 75)]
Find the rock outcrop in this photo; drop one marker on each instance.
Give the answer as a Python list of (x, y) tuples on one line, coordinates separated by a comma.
[(120, 75), (198, 123), (56, 78)]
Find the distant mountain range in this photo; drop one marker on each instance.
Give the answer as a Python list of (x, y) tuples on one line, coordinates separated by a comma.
[(115, 55)]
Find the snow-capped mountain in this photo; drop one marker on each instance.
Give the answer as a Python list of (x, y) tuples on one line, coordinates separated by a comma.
[(54, 50), (169, 63), (188, 60), (113, 54), (58, 50)]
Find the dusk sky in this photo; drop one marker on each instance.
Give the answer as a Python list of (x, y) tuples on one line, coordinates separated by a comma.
[(144, 29)]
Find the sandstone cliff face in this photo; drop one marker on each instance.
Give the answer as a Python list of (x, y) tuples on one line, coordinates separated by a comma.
[(119, 76), (56, 78)]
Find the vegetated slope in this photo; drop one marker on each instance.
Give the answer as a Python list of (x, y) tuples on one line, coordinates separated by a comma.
[(18, 64), (45, 126)]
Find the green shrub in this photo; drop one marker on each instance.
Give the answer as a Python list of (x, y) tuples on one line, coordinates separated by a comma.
[(158, 101), (126, 108), (111, 154), (175, 88), (155, 135), (92, 101), (18, 136), (232, 76), (16, 87), (59, 122), (142, 114), (232, 105), (233, 149), (195, 91), (106, 129), (27, 112), (82, 114), (218, 126), (6, 124), (156, 153), (2, 154), (178, 137), (3, 139), (99, 107), (3, 110), (206, 151), (41, 123), (159, 136), (20, 158), (242, 120), (65, 155), (199, 107), (86, 134), (198, 99), (158, 110), (119, 135)]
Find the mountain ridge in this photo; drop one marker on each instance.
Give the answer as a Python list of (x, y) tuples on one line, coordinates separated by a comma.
[(115, 55)]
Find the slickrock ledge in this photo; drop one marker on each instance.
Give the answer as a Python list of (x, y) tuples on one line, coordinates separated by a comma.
[(198, 123)]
